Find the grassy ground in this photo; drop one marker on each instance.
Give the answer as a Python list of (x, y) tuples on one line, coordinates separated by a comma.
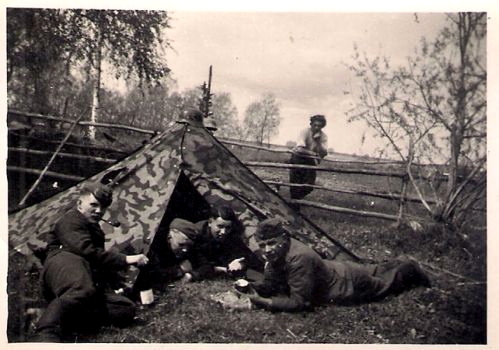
[(453, 311)]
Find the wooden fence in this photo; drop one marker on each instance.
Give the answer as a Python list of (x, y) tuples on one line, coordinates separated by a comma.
[(333, 166)]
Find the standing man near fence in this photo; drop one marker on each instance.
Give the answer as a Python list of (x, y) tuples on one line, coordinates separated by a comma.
[(311, 147)]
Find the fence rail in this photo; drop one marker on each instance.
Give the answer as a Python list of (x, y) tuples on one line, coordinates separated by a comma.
[(326, 159), (222, 140), (51, 174), (345, 210), (70, 144), (384, 195), (82, 123), (62, 155), (401, 197)]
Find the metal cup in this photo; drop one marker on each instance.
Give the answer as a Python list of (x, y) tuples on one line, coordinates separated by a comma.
[(242, 285), (146, 297)]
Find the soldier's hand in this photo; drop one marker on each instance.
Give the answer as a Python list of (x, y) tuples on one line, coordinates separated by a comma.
[(236, 265), (187, 278), (139, 259), (186, 266)]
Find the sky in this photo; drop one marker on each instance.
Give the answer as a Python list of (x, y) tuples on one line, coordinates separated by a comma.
[(300, 57)]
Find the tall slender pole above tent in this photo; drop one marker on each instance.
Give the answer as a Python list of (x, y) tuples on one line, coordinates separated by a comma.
[(44, 171), (206, 99)]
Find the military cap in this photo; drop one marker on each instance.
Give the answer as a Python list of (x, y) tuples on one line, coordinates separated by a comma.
[(186, 227), (270, 228), (103, 193)]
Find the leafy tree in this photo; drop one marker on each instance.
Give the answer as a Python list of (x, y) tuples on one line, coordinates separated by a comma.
[(191, 98), (35, 57), (225, 116), (262, 119), (131, 41), (150, 107), (434, 106)]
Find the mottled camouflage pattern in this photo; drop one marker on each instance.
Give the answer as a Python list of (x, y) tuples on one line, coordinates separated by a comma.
[(140, 200), (143, 190), (221, 178)]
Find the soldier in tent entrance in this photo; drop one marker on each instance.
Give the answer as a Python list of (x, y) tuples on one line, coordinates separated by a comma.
[(201, 250)]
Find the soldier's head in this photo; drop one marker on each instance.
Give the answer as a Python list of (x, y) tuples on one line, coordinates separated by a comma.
[(317, 122), (223, 222), (273, 239), (181, 242), (94, 200)]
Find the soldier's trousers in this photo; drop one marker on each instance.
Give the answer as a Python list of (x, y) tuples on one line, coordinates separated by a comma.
[(363, 283), (75, 303), (301, 176)]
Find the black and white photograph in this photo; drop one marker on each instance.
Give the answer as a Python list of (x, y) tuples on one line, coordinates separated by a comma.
[(283, 175)]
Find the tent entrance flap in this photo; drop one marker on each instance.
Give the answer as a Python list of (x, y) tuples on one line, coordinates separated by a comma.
[(185, 203)]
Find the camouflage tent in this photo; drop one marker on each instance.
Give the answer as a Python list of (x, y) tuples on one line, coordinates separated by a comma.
[(180, 173)]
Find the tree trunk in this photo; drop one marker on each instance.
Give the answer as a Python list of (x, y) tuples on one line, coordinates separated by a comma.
[(458, 127), (40, 101), (446, 215), (261, 136), (96, 92), (403, 193)]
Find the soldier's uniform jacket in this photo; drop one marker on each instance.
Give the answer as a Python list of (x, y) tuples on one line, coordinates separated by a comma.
[(304, 279), (75, 234), (208, 253)]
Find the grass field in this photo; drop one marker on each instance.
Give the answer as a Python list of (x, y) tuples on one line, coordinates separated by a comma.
[(453, 311)]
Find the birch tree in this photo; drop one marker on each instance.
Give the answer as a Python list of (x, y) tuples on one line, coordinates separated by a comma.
[(262, 119), (131, 42)]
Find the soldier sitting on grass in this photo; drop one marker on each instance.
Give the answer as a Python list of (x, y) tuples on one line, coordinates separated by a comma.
[(77, 272), (297, 278), (201, 250)]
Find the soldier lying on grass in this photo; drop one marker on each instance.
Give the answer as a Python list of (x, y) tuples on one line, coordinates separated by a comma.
[(202, 250), (297, 278)]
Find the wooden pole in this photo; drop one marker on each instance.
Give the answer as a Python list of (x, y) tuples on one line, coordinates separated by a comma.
[(321, 168), (390, 196), (397, 174), (281, 149), (52, 174), (62, 120), (62, 154), (40, 177), (76, 145), (222, 140), (345, 210)]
